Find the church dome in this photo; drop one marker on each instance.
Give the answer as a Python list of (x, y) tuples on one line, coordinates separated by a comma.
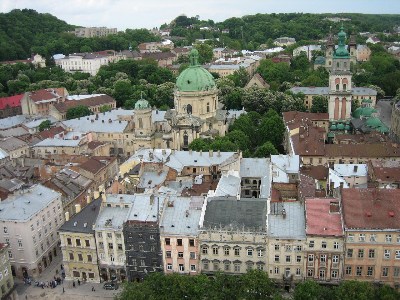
[(142, 104), (195, 78)]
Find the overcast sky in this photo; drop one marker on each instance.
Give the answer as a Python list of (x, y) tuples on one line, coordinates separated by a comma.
[(124, 14)]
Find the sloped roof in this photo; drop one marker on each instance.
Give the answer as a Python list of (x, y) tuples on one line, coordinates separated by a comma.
[(320, 220), (62, 107), (12, 101)]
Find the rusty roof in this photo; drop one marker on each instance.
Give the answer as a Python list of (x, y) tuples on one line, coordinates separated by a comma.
[(323, 217), (316, 172), (96, 163), (63, 107), (371, 208), (43, 94)]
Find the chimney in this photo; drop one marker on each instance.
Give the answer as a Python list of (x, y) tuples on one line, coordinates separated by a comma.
[(210, 153), (103, 197), (333, 207), (77, 208), (66, 216), (219, 153), (355, 168), (201, 152), (88, 199), (284, 213), (96, 194), (190, 151)]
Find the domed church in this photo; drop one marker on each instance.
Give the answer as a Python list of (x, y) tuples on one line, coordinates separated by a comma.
[(197, 112)]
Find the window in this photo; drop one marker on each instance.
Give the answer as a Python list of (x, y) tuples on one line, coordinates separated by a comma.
[(359, 271), (288, 258), (335, 259), (386, 254), (310, 272), (237, 267), (323, 245), (311, 244), (179, 242), (385, 271), (249, 252), (371, 253), (297, 248), (119, 246), (288, 248), (323, 258), (78, 242), (69, 241), (322, 273), (276, 247), (360, 253), (350, 237), (398, 239), (226, 250), (87, 243), (237, 251), (205, 265), (167, 241), (109, 235), (10, 254), (152, 236), (80, 257), (370, 271), (99, 234), (191, 242), (372, 238), (89, 258), (348, 270), (349, 253), (298, 258), (397, 254), (335, 245), (204, 250), (260, 252), (334, 274), (396, 272), (361, 237), (71, 256), (388, 238), (168, 254), (276, 270), (193, 268), (101, 245), (110, 246), (215, 250), (169, 267), (192, 255), (5, 229), (276, 258), (181, 268), (142, 263), (180, 254), (298, 272)]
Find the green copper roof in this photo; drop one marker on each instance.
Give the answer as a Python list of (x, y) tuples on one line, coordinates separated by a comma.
[(340, 126), (142, 104), (333, 127), (331, 135), (366, 101), (195, 78), (364, 112), (383, 129), (347, 127), (341, 51), (319, 60), (374, 123)]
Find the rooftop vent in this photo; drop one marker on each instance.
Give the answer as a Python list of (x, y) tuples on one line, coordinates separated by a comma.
[(75, 223), (391, 214)]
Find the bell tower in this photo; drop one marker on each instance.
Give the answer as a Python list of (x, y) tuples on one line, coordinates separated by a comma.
[(340, 84)]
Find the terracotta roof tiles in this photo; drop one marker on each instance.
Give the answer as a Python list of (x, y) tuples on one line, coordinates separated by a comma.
[(323, 217)]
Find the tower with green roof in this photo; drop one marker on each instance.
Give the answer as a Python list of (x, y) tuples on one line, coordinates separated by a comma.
[(197, 111), (142, 119), (340, 82)]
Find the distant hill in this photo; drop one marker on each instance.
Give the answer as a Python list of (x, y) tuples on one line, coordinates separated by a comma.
[(20, 29)]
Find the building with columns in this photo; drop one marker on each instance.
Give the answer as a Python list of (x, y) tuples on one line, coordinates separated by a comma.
[(340, 94), (197, 110)]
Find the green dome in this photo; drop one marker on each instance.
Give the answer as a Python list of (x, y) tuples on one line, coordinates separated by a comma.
[(319, 60), (383, 129), (142, 104), (340, 126), (364, 112), (347, 127), (341, 51), (374, 123), (195, 78), (331, 135), (333, 127)]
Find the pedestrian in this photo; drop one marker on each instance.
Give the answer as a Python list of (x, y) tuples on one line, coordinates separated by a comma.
[(73, 283), (79, 282), (63, 290), (92, 288)]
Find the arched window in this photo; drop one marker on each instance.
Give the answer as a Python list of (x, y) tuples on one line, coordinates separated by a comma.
[(344, 87), (208, 107), (345, 64), (337, 87), (185, 139), (337, 65), (189, 109), (140, 123)]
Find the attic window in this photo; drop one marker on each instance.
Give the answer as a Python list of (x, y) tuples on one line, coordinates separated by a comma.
[(188, 81), (75, 223), (85, 225)]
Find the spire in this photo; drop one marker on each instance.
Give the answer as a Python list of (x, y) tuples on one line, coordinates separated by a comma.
[(341, 50)]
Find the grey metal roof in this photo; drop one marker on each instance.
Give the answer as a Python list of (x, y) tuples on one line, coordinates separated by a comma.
[(152, 179), (179, 218), (57, 142), (158, 115), (12, 121), (288, 163), (111, 218), (84, 220), (291, 226), (254, 167), (23, 206), (16, 131), (350, 170), (228, 185), (12, 143), (37, 121), (247, 214), (146, 207)]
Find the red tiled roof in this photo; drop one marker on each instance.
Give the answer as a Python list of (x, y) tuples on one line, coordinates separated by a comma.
[(319, 219), (50, 132), (12, 101), (41, 95), (63, 107), (371, 208), (316, 172), (94, 144), (96, 163)]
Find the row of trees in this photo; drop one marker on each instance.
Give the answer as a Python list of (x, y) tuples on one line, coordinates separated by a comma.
[(253, 285), (257, 135)]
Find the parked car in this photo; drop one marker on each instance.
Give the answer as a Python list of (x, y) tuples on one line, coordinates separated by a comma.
[(110, 286)]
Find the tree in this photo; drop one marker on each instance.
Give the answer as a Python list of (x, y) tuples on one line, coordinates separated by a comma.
[(200, 144), (355, 290), (256, 285), (44, 125), (240, 77), (122, 91), (205, 53), (78, 112), (272, 129), (319, 104), (105, 108), (239, 138), (265, 150), (308, 290)]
